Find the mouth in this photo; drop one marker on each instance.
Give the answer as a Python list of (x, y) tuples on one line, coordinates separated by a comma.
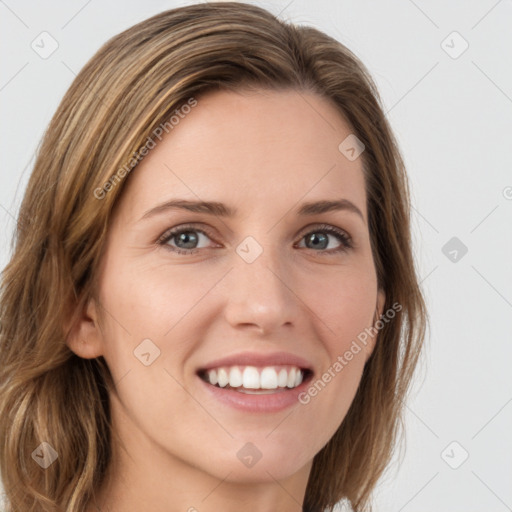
[(254, 380)]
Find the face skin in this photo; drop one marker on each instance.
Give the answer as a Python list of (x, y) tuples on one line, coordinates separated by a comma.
[(264, 154)]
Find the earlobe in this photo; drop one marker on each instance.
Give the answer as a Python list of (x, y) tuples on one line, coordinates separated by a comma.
[(381, 301), (84, 336)]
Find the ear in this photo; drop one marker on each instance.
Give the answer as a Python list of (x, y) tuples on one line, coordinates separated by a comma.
[(381, 301), (374, 336), (85, 338)]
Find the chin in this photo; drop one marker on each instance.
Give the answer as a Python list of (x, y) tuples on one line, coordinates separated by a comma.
[(250, 465)]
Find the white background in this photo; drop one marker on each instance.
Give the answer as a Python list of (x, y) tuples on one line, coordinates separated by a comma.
[(453, 120)]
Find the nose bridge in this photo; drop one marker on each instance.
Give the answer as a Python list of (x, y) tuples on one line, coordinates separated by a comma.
[(258, 289)]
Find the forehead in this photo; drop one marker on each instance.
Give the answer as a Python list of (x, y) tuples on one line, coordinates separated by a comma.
[(251, 149)]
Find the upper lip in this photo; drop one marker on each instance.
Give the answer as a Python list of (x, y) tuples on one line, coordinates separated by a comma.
[(259, 359)]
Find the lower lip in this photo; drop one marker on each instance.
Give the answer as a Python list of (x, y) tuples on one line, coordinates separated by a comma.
[(272, 402)]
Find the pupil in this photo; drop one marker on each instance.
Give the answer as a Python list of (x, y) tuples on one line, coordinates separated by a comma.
[(185, 237), (314, 239)]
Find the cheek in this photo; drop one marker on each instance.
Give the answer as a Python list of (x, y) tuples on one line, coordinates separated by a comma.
[(148, 300), (345, 302), (345, 305)]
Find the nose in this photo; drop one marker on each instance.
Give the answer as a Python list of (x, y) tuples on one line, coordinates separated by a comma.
[(260, 295)]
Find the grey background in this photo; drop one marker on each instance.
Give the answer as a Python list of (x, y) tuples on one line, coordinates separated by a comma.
[(453, 120)]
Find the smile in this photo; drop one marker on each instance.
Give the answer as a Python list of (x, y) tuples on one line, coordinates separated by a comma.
[(251, 379)]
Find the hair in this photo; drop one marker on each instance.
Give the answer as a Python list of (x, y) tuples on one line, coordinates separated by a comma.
[(130, 87)]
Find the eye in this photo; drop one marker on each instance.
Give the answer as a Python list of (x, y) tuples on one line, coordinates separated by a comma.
[(319, 239), (186, 238)]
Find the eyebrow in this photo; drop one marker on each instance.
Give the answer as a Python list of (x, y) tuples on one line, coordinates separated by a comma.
[(222, 210)]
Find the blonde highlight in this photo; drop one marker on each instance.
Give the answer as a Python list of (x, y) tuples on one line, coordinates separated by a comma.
[(123, 94)]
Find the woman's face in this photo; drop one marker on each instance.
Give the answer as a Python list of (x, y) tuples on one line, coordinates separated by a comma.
[(250, 288)]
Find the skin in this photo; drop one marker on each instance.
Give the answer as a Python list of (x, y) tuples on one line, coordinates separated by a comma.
[(263, 153)]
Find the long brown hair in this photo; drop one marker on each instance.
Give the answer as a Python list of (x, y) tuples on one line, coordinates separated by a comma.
[(133, 85)]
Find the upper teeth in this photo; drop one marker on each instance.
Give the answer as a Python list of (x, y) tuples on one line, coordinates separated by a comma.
[(250, 377)]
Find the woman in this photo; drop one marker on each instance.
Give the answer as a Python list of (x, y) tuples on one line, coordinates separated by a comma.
[(212, 302)]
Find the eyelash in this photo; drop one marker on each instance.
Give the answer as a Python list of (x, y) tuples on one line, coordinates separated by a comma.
[(343, 238)]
